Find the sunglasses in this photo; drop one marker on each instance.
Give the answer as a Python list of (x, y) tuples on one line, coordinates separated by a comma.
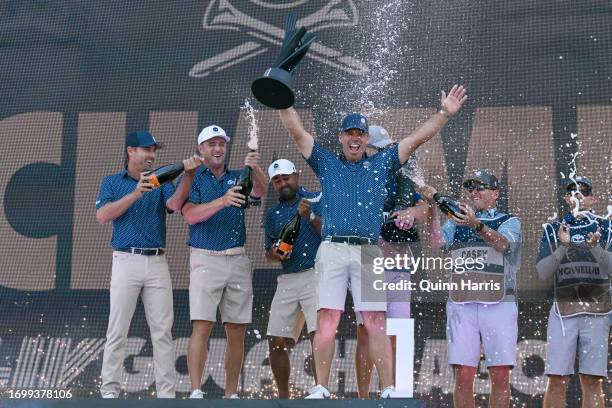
[(585, 192), (477, 187)]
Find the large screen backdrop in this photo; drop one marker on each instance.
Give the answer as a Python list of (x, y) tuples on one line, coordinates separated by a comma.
[(76, 76)]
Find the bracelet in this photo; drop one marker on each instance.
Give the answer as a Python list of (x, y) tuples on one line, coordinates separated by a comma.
[(445, 113)]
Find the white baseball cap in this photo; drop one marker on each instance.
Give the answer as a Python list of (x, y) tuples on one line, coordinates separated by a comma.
[(379, 137), (210, 132), (281, 166)]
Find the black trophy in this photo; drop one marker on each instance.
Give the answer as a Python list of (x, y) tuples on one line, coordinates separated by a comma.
[(275, 88)]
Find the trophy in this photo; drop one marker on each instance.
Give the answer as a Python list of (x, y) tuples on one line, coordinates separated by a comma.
[(275, 88)]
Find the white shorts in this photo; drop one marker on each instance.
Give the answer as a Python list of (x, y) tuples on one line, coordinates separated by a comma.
[(495, 324), (337, 266), (587, 334), (295, 293)]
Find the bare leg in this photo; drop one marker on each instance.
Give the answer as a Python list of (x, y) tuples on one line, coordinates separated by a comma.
[(592, 391), (500, 387), (463, 395), (234, 355), (363, 363), (325, 343), (279, 362), (197, 351), (379, 345), (555, 391)]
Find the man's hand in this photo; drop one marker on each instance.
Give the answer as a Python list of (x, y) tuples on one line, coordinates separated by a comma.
[(593, 238), (252, 160), (404, 219), (467, 217), (283, 256), (564, 235), (143, 185), (232, 197), (304, 209), (454, 101), (191, 164), (427, 192)]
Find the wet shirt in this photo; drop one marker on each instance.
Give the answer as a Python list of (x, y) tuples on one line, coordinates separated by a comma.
[(143, 225), (353, 193), (226, 228), (308, 239)]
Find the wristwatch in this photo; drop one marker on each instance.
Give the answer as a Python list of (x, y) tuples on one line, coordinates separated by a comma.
[(312, 216), (479, 227)]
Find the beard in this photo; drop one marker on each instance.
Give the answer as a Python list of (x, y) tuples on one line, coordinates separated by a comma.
[(287, 193)]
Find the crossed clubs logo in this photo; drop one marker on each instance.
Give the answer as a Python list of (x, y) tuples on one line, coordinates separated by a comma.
[(222, 15)]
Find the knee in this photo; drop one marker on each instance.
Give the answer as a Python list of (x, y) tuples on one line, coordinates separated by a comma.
[(327, 322), (201, 328), (500, 376), (558, 382), (374, 322), (276, 344), (464, 376), (591, 384), (235, 331)]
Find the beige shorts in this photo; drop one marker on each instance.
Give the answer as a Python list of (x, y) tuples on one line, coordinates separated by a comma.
[(295, 293), (338, 266), (223, 281)]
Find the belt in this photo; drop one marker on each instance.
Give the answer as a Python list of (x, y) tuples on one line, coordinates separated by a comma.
[(351, 240), (226, 252), (142, 251)]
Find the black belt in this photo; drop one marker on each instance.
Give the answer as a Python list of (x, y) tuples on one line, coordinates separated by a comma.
[(142, 251), (351, 240)]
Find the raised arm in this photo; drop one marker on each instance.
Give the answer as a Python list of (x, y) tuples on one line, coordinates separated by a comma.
[(116, 209), (450, 106), (292, 122)]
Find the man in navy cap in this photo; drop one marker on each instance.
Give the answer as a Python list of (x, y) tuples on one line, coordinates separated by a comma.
[(138, 212), (354, 193), (577, 254)]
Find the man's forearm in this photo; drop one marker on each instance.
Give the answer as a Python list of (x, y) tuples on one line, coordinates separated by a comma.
[(547, 266), (421, 135), (195, 213), (175, 203), (116, 209), (292, 122), (260, 183), (494, 239)]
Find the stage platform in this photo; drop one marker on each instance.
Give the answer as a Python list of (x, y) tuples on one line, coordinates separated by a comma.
[(212, 403)]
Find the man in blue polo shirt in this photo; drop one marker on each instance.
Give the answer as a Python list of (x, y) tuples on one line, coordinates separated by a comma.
[(296, 291), (354, 193), (220, 268), (138, 213)]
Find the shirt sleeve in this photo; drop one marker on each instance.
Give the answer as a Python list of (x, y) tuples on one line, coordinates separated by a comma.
[(316, 208), (511, 230), (448, 232), (269, 230), (391, 158), (546, 248), (194, 194), (105, 194), (318, 158), (168, 190)]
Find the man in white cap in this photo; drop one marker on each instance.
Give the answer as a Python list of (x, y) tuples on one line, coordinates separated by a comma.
[(220, 269), (296, 291)]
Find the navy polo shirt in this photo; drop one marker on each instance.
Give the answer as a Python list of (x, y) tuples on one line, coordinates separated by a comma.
[(308, 240), (353, 193), (143, 225), (226, 228)]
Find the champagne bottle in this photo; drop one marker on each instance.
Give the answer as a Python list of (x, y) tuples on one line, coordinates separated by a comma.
[(164, 174), (447, 204), (289, 234), (246, 182)]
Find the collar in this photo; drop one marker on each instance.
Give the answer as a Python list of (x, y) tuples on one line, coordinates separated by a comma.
[(491, 212), (301, 193), (205, 169), (125, 173), (570, 219)]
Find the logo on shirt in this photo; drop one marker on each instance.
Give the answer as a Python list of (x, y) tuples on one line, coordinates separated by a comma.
[(231, 182), (578, 239), (366, 165)]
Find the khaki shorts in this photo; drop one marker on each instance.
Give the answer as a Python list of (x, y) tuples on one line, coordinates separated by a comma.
[(223, 281), (338, 267), (295, 293)]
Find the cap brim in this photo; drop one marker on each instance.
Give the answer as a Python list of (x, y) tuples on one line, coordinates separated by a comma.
[(282, 173), (224, 137)]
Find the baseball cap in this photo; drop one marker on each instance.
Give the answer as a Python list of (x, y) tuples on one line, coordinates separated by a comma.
[(379, 137), (483, 177), (212, 131), (281, 166), (571, 184), (141, 138), (354, 121)]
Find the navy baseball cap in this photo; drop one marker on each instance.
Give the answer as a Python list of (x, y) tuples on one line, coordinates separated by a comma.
[(141, 138), (354, 121), (483, 177), (578, 180)]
